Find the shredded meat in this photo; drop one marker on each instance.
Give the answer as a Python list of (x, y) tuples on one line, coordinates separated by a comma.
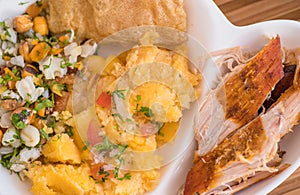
[(238, 97)]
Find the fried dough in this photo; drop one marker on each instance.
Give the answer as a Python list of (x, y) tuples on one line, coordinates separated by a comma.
[(97, 19)]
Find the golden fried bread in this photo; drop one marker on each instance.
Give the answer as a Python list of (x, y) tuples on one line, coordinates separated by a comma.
[(97, 19)]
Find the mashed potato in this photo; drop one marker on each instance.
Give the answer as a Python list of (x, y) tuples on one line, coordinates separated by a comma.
[(160, 99), (62, 179)]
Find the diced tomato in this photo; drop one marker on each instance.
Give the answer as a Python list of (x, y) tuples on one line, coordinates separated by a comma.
[(93, 133), (95, 171), (104, 100)]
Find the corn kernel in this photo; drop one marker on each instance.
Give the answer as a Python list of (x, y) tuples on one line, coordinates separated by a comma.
[(35, 9), (56, 51), (40, 25), (6, 58), (39, 52), (34, 42), (79, 65), (23, 23)]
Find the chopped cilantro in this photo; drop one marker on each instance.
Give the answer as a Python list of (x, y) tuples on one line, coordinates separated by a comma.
[(44, 104), (5, 78), (23, 3), (46, 66), (120, 93), (44, 134), (65, 63), (5, 159), (138, 98), (18, 119), (147, 111), (86, 145), (69, 130), (127, 176), (159, 131), (96, 181)]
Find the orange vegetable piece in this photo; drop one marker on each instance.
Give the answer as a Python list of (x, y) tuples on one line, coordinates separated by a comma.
[(39, 52)]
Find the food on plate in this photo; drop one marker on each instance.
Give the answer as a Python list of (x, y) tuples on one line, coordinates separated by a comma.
[(96, 19), (62, 179), (250, 150), (152, 98), (43, 50), (238, 97), (251, 153)]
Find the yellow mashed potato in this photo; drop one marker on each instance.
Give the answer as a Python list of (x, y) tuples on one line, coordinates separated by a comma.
[(65, 168), (160, 99), (65, 179)]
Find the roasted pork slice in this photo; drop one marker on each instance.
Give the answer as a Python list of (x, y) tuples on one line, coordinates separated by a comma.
[(238, 97), (247, 151)]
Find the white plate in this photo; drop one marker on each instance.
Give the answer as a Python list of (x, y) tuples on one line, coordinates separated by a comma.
[(208, 25)]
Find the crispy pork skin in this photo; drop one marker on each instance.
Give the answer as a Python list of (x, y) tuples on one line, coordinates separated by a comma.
[(248, 150), (238, 97)]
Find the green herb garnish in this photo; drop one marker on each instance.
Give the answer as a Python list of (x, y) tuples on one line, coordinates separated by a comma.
[(69, 130), (147, 111), (18, 119), (120, 93), (23, 3), (65, 63), (127, 176), (86, 145), (44, 134), (44, 104)]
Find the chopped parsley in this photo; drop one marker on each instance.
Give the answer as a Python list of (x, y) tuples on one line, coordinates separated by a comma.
[(127, 176), (105, 149), (44, 134), (6, 159), (104, 174), (46, 66), (23, 3), (65, 63), (69, 130), (18, 119), (159, 131), (138, 98), (147, 111), (86, 145), (5, 78), (44, 104), (120, 93)]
